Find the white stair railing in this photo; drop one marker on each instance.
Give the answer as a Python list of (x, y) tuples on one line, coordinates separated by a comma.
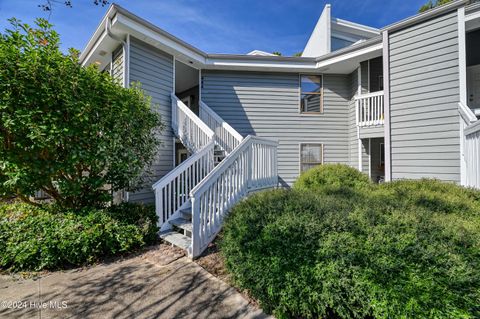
[(225, 135), (472, 155), (251, 166), (370, 109), (188, 127), (172, 191)]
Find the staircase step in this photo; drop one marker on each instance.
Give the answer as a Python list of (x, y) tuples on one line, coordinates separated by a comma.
[(182, 223), (176, 239)]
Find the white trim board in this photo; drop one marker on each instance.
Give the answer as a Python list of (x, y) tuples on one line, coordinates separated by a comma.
[(386, 104)]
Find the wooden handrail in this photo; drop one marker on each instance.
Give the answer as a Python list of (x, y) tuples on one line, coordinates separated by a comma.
[(466, 113), (228, 161), (227, 126), (181, 167), (225, 135), (367, 95), (252, 165), (193, 116)]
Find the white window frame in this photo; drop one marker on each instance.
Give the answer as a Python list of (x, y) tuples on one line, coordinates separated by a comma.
[(300, 95), (322, 160)]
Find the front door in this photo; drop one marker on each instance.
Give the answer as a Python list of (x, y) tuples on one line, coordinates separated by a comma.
[(473, 86)]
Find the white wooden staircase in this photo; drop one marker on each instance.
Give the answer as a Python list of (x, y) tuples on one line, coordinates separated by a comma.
[(193, 199)]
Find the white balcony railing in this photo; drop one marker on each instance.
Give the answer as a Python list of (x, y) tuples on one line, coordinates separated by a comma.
[(225, 135), (188, 127), (472, 155), (251, 166), (370, 109)]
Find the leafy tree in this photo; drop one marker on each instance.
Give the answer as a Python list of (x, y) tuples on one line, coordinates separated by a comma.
[(298, 54), (48, 5), (70, 131), (432, 4), (277, 53)]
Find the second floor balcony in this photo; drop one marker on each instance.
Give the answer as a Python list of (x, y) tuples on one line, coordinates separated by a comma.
[(370, 109)]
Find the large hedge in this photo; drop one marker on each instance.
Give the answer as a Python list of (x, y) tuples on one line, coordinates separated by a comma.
[(33, 238), (68, 130), (408, 249)]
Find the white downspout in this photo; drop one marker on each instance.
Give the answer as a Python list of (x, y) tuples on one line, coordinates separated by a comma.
[(125, 49), (126, 67), (359, 140), (462, 64)]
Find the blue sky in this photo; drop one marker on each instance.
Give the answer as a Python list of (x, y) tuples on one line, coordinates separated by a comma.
[(217, 26)]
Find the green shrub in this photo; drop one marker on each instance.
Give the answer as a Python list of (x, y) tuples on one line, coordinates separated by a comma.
[(430, 194), (333, 178), (34, 238), (409, 249), (142, 216), (66, 129)]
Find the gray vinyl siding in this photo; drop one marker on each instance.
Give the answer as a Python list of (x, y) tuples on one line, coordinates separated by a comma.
[(117, 65), (154, 70), (424, 96), (372, 131), (267, 105), (352, 121)]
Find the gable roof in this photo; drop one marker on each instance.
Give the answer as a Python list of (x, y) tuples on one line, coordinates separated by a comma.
[(125, 24)]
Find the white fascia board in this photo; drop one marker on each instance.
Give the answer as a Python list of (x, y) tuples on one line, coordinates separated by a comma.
[(96, 38), (167, 44), (260, 52), (124, 23), (355, 28), (344, 36), (204, 61), (85, 59), (252, 65), (418, 18), (350, 55), (472, 16)]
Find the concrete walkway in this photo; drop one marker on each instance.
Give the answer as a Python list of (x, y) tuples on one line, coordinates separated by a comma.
[(138, 287)]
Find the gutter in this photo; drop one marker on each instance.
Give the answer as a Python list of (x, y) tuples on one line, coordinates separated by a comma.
[(472, 7), (104, 29), (97, 35), (427, 15), (211, 56), (125, 48), (144, 22), (352, 48)]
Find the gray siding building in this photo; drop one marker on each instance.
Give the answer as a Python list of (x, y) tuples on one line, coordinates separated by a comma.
[(153, 70), (424, 97), (395, 103), (267, 105)]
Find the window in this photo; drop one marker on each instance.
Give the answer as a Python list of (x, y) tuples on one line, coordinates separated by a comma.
[(311, 155), (311, 97)]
